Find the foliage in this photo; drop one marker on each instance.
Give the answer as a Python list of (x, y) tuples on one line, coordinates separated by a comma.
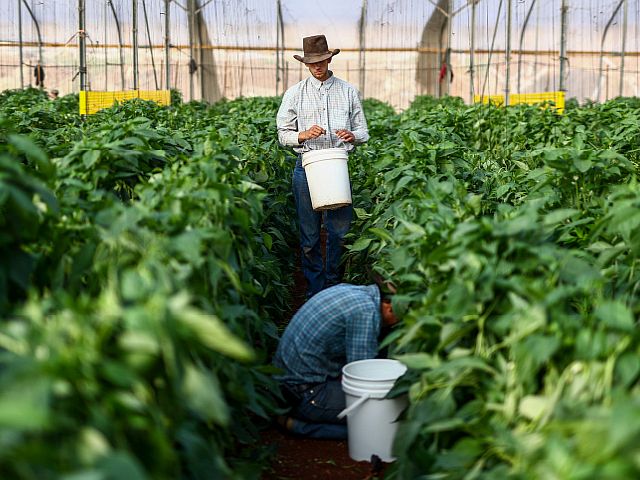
[(145, 259), (156, 261), (511, 235)]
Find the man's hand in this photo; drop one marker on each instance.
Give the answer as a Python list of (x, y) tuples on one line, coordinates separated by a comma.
[(313, 132), (346, 135)]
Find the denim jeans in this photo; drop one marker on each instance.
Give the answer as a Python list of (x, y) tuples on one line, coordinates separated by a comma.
[(316, 416), (336, 222)]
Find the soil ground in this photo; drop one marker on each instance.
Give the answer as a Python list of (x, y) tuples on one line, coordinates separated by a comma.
[(307, 459)]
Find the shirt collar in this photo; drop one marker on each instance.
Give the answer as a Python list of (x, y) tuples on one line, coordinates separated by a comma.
[(327, 83)]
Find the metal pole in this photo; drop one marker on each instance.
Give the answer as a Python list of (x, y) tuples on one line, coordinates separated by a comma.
[(447, 56), (563, 44), (106, 51), (190, 13), (283, 64), (524, 28), (20, 42), (625, 15), (441, 58), (167, 44), (508, 55), (134, 32), (82, 43), (38, 32), (604, 36), (153, 61), (279, 12), (199, 21), (120, 45), (361, 57), (472, 51)]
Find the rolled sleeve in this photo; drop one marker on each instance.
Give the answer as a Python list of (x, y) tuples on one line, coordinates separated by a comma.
[(287, 121), (358, 120)]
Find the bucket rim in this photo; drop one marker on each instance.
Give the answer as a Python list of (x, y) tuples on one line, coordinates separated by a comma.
[(373, 360), (330, 149), (336, 153)]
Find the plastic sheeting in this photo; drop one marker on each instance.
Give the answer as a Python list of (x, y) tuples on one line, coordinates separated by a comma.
[(396, 50)]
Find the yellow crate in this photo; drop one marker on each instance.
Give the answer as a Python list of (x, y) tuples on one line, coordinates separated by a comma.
[(91, 102), (529, 98)]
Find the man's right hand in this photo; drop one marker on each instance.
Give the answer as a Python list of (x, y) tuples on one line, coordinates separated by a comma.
[(313, 132)]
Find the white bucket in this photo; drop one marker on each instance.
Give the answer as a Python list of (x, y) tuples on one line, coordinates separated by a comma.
[(328, 178), (371, 418)]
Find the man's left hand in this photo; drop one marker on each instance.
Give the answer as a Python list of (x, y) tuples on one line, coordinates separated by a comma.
[(346, 135)]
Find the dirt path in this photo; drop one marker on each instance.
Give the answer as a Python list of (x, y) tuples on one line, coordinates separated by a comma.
[(307, 459)]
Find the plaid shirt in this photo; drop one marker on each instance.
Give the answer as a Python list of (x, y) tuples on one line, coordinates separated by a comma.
[(336, 326), (333, 105)]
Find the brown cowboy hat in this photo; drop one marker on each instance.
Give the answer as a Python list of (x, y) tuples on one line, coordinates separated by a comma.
[(315, 50)]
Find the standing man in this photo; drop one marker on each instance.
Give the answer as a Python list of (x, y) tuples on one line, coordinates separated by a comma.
[(319, 112), (337, 326)]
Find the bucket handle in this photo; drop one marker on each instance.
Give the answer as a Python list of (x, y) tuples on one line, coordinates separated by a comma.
[(353, 406)]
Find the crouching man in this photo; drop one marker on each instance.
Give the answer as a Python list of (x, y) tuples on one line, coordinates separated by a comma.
[(338, 325)]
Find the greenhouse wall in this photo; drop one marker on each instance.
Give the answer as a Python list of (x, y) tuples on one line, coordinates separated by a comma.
[(235, 48)]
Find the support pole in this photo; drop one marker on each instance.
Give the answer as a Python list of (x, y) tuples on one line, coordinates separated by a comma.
[(120, 45), (134, 32), (192, 63), (362, 41), (82, 44), (282, 72), (167, 44), (442, 58), (38, 32), (283, 64), (472, 51), (278, 42), (20, 43), (625, 18), (508, 56), (447, 56), (493, 41), (564, 9), (198, 24), (106, 50), (521, 49), (153, 61), (604, 37)]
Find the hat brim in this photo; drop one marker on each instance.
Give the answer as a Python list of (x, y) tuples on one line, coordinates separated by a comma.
[(318, 57)]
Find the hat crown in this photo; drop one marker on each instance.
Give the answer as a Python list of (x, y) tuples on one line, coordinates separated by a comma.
[(315, 49), (315, 45)]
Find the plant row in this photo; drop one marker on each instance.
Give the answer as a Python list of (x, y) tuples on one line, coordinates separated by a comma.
[(144, 263), (512, 236)]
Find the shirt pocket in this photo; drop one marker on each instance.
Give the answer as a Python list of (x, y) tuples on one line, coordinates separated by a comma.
[(307, 119), (340, 120)]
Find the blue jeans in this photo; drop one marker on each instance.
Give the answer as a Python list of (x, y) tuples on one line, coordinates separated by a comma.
[(316, 416), (336, 222)]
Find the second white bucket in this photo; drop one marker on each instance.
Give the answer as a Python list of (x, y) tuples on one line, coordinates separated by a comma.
[(328, 178), (371, 418)]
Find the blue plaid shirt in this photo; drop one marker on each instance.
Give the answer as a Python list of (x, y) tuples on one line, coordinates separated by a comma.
[(336, 326)]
